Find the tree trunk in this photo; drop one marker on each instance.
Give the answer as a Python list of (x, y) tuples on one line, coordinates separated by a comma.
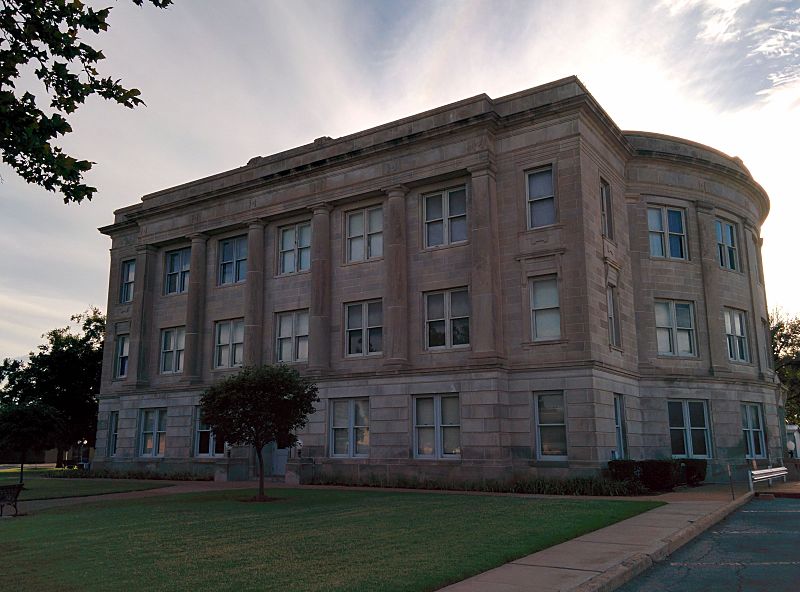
[(259, 453), (21, 465), (59, 458)]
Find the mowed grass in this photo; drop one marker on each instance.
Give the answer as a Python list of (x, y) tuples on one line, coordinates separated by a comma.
[(38, 487), (309, 540)]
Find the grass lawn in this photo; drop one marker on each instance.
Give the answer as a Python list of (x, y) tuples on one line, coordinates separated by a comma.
[(39, 487), (310, 540)]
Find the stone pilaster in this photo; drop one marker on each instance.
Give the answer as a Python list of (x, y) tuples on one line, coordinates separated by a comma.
[(710, 270), (750, 267), (486, 315), (195, 310), (144, 284), (319, 337), (254, 296), (395, 269)]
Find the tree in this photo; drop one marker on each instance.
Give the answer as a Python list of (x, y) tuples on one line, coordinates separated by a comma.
[(27, 428), (785, 331), (45, 35), (259, 405), (64, 374)]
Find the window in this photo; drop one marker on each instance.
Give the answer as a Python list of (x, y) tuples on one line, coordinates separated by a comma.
[(437, 427), (768, 359), (229, 344), (551, 426), (726, 245), (545, 313), (126, 281), (614, 336), (364, 328), (113, 432), (447, 319), (675, 328), (365, 234), (153, 436), (206, 442), (172, 343), (295, 248), (619, 426), (177, 278), (446, 217), (541, 198), (753, 428), (736, 335), (232, 260), (689, 429), (606, 211), (121, 357), (667, 229), (292, 336), (349, 427)]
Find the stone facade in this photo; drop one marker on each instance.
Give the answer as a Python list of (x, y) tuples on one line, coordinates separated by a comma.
[(555, 258)]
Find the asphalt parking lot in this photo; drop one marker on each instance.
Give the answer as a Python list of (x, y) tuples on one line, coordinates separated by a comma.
[(756, 548)]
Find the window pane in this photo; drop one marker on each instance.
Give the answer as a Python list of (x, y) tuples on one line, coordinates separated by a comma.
[(685, 345), (676, 246), (241, 248), (227, 251), (434, 233), (425, 443), (675, 414), (656, 244), (677, 442), (355, 224), (451, 443), (459, 304), (375, 245), (683, 312), (162, 421), (543, 212), (375, 340), (304, 259), (433, 208), (756, 417), (545, 294), (375, 314), (699, 444), (547, 324), (219, 446), (147, 444), (340, 441), (304, 235), (718, 229), (664, 339), (355, 250), (460, 331), (223, 333), (435, 306), (354, 320), (540, 184), (238, 354), (375, 220), (285, 350), (203, 442), (287, 262), (424, 411), (436, 334), (284, 325), (302, 348), (675, 221), (458, 202), (302, 323), (458, 229), (553, 440), (759, 447), (654, 219), (663, 314), (361, 412), (450, 411), (551, 408), (238, 331), (354, 340), (287, 239), (341, 413), (697, 416), (361, 436), (166, 366)]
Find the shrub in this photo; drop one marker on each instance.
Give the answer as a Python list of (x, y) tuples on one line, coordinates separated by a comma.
[(660, 475), (623, 470), (695, 471)]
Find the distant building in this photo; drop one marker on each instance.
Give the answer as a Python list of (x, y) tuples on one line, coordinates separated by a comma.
[(495, 286)]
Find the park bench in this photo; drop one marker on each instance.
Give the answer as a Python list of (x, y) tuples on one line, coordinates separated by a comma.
[(767, 475), (9, 495)]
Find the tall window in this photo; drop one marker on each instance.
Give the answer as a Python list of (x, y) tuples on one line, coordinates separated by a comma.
[(172, 344), (121, 356), (206, 442), (349, 427), (446, 217), (229, 344), (606, 211), (689, 429), (364, 328), (736, 335), (551, 426), (447, 319), (292, 343), (675, 332), (614, 335), (753, 428), (176, 280), (365, 234), (437, 427), (727, 254), (545, 311), (113, 432), (619, 425), (541, 198), (232, 260), (667, 229), (153, 435), (126, 281), (295, 248)]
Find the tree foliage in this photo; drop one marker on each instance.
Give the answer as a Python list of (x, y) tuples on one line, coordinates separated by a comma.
[(26, 428), (785, 332), (64, 374), (46, 35), (259, 405)]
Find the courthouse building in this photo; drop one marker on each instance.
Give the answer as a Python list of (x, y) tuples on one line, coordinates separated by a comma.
[(495, 287)]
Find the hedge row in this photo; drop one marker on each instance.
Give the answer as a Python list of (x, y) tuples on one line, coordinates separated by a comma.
[(659, 475)]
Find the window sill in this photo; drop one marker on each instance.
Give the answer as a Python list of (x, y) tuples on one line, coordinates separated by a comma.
[(427, 249), (371, 356), (556, 463), (223, 369), (172, 294), (231, 284), (528, 344), (676, 357), (556, 225), (670, 259), (448, 459), (292, 273), (361, 261), (445, 349)]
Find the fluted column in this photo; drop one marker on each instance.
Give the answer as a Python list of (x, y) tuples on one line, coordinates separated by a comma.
[(710, 270), (485, 317), (395, 269), (254, 296), (195, 310), (143, 286), (319, 337)]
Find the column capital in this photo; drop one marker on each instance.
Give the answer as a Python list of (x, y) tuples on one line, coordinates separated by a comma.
[(198, 237), (255, 223), (146, 249), (320, 208), (395, 191), (484, 168), (704, 206)]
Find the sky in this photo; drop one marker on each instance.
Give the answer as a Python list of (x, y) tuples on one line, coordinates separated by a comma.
[(225, 81)]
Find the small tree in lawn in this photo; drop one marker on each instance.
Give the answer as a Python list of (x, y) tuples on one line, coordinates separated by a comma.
[(27, 428), (259, 405)]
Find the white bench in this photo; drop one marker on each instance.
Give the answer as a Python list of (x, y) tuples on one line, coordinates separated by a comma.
[(767, 475)]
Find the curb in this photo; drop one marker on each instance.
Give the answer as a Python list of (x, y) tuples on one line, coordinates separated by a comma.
[(630, 568)]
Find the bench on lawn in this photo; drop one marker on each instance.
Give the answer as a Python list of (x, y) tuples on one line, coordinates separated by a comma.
[(9, 495), (767, 475)]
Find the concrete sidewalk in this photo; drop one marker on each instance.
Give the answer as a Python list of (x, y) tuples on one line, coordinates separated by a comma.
[(607, 558)]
